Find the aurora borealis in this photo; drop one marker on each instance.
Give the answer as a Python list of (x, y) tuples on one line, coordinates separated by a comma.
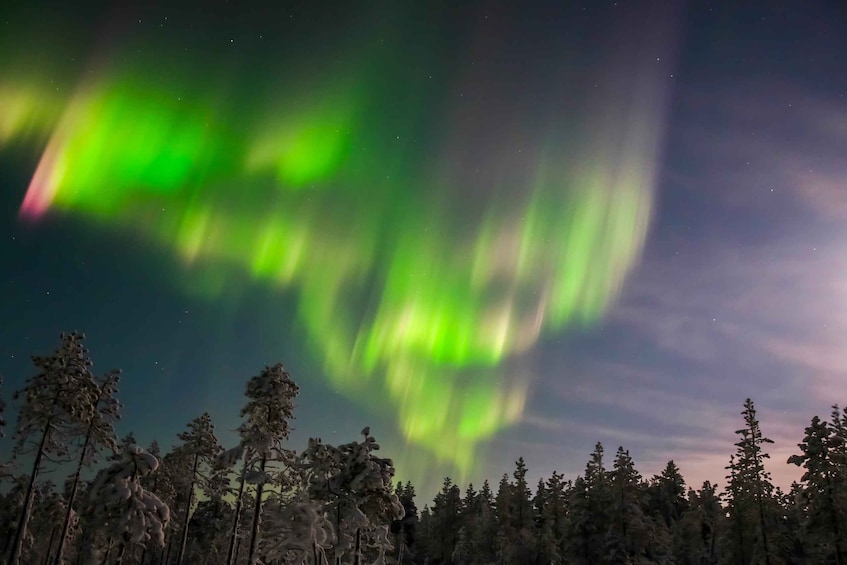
[(434, 196), (297, 196)]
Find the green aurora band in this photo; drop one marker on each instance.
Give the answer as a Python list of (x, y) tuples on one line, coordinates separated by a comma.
[(409, 299)]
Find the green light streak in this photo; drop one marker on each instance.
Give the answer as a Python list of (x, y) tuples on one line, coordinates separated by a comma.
[(406, 306)]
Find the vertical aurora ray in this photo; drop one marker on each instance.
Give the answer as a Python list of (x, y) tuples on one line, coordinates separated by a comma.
[(411, 301)]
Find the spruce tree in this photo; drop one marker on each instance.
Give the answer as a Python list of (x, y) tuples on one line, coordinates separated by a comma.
[(588, 517), (824, 494), (751, 492), (446, 509), (406, 527), (505, 519), (696, 533), (556, 511), (632, 536), (523, 518), (667, 495), (546, 548)]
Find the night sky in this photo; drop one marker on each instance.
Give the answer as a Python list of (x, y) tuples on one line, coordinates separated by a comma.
[(485, 229)]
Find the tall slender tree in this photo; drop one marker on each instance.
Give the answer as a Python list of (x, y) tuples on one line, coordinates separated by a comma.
[(99, 433), (268, 413), (200, 446), (750, 490), (52, 410)]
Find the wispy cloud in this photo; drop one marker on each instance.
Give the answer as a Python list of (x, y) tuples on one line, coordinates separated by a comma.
[(755, 143)]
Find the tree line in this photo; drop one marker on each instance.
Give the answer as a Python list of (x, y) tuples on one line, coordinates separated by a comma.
[(256, 502), (612, 515), (261, 502)]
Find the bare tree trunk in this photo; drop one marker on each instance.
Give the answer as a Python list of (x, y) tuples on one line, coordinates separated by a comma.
[(168, 552), (50, 546), (17, 544), (230, 554), (337, 532), (71, 497), (120, 556), (762, 525), (357, 559), (108, 551), (184, 536), (257, 513)]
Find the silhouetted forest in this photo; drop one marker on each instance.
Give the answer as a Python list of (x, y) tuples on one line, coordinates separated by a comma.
[(262, 502)]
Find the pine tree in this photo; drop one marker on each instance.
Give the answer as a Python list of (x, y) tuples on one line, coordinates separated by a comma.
[(121, 510), (546, 548), (269, 409), (52, 410), (632, 537), (667, 495), (296, 531), (826, 523), (99, 433), (588, 519), (227, 460), (697, 531), (483, 529), (406, 527), (790, 543), (505, 529), (200, 447), (446, 509), (556, 511), (354, 486), (522, 525), (750, 493), (209, 524)]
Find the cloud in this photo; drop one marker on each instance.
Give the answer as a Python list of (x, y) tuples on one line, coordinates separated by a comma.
[(693, 336), (754, 142)]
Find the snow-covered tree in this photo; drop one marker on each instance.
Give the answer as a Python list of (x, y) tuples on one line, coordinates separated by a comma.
[(298, 531), (199, 447), (119, 509), (103, 409), (267, 416), (52, 411), (354, 486)]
